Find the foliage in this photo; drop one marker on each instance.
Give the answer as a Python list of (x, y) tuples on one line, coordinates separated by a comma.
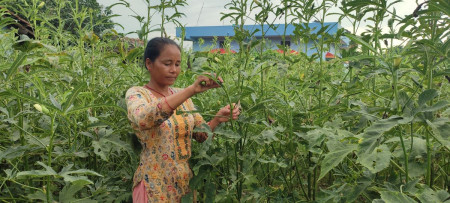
[(375, 130), (56, 12)]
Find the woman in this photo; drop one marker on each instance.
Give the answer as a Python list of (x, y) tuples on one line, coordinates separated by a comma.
[(163, 173)]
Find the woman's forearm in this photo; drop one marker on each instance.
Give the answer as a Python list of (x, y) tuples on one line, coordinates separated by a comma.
[(213, 123), (175, 100)]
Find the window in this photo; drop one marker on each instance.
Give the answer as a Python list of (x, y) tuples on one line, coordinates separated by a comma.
[(221, 44), (287, 43)]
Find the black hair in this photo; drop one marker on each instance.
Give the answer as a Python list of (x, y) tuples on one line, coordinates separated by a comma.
[(155, 46)]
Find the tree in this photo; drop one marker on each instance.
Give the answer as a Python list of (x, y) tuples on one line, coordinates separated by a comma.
[(100, 15)]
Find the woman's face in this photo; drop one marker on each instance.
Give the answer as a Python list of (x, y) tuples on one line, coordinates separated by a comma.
[(165, 69)]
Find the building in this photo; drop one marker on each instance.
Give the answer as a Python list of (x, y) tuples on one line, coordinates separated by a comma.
[(273, 37)]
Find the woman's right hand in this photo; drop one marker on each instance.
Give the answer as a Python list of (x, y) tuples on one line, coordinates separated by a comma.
[(204, 83)]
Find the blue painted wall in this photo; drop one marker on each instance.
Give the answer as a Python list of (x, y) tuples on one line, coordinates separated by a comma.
[(274, 36)]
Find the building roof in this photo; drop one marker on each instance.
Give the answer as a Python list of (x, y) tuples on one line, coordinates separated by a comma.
[(228, 30)]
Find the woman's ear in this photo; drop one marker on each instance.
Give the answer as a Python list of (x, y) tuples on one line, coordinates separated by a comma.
[(148, 64)]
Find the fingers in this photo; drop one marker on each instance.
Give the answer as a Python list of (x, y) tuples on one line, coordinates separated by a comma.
[(208, 82)]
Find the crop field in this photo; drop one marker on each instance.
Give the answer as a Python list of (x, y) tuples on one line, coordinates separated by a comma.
[(372, 125)]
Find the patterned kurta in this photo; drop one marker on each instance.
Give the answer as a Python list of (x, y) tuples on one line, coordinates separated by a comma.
[(166, 140)]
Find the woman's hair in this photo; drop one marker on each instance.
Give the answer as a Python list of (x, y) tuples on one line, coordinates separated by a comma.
[(155, 46)]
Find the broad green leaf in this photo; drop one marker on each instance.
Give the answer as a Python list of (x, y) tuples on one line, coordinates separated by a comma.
[(376, 161), (81, 179), (38, 195), (439, 105), (316, 137), (356, 191), (427, 195), (426, 96), (67, 194), (338, 151), (267, 136), (13, 152), (227, 133), (417, 157), (395, 197), (199, 164), (210, 191), (372, 135), (441, 130), (101, 149), (273, 160)]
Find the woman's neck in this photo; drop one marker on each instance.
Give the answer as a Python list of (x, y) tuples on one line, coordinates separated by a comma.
[(161, 89)]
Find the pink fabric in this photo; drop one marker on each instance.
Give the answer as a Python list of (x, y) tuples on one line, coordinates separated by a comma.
[(139, 193)]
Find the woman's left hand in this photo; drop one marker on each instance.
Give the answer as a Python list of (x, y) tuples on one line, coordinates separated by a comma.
[(223, 115)]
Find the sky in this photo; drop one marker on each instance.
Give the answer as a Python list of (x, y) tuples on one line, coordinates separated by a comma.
[(209, 12)]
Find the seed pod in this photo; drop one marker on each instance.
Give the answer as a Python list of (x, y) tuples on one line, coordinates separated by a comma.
[(41, 5), (397, 61), (38, 107), (386, 42), (257, 3), (203, 83)]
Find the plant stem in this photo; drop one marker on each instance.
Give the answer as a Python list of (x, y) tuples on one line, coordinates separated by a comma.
[(405, 155)]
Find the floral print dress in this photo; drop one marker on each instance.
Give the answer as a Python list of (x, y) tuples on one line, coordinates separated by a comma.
[(166, 140)]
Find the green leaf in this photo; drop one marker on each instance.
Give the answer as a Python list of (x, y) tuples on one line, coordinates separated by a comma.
[(439, 105), (356, 191), (372, 134), (338, 151), (395, 197), (13, 152), (376, 161), (38, 195), (426, 96), (210, 190), (188, 198), (273, 160), (67, 194), (441, 129), (39, 173), (17, 62), (82, 171), (101, 148), (227, 133), (361, 42), (26, 97), (25, 44), (73, 96), (267, 136), (75, 110), (427, 195)]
